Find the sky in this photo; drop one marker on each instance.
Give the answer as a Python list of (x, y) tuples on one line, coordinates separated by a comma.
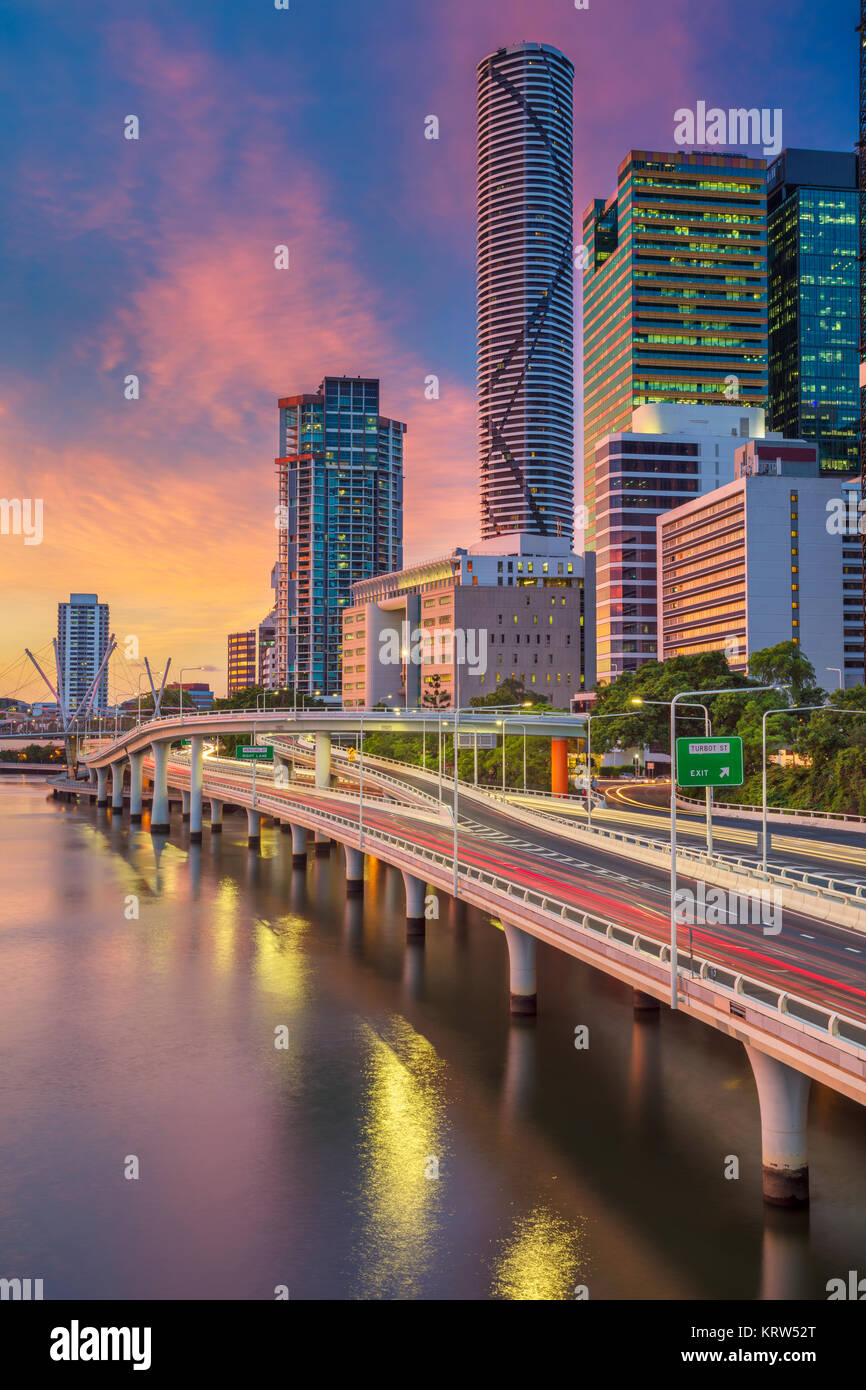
[(155, 257)]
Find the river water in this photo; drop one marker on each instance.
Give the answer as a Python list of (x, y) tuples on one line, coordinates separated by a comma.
[(147, 1043)]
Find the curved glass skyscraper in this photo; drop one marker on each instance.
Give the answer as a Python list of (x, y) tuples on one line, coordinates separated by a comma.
[(525, 292)]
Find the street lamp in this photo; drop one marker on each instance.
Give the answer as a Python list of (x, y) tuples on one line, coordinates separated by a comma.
[(837, 672), (708, 791), (787, 709), (589, 718), (748, 690), (180, 684)]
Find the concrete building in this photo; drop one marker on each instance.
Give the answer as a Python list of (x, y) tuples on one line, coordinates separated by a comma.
[(755, 562), (267, 653), (671, 454), (525, 294), (340, 520), (241, 663), (814, 283), (82, 636), (473, 620), (674, 291)]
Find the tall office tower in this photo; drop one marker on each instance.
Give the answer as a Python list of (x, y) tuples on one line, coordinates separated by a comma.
[(340, 519), (267, 651), (814, 286), (674, 292), (526, 293), (241, 665), (82, 638)]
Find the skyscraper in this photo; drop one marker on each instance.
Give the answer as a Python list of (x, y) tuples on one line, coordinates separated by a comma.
[(814, 306), (340, 519), (82, 639), (674, 291), (525, 293), (241, 664)]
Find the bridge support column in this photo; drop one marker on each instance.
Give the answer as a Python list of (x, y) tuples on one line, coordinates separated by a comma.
[(415, 895), (101, 787), (323, 844), (117, 771), (254, 828), (354, 871), (783, 1094), (136, 781), (159, 822), (184, 797), (91, 772), (521, 966), (299, 846), (195, 781), (558, 765), (216, 816), (285, 827), (645, 1004), (323, 760)]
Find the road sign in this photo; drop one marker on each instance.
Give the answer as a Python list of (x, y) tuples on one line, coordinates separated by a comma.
[(709, 762), (467, 740), (254, 752)]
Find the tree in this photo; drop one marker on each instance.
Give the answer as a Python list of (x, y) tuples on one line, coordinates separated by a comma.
[(785, 664), (434, 696)]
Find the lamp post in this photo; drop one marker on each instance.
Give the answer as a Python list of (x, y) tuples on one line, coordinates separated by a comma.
[(589, 718), (787, 709), (836, 672), (180, 684), (708, 728), (749, 690)]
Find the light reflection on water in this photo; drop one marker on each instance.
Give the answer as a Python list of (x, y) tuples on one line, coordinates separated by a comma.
[(410, 1142)]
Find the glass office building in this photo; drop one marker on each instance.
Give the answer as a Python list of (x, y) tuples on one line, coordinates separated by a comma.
[(814, 306), (82, 639), (674, 292), (339, 518), (526, 293)]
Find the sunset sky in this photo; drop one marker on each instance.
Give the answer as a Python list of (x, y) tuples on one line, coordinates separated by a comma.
[(156, 257)]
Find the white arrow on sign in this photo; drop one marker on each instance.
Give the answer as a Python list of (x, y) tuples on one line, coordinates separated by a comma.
[(725, 772)]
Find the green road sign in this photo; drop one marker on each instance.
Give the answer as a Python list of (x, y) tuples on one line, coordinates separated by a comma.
[(254, 751), (710, 762)]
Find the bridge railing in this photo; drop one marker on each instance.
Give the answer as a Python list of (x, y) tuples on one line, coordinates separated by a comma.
[(795, 812), (822, 885), (719, 978)]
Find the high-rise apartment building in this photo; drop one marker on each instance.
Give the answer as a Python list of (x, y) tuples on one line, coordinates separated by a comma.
[(814, 284), (674, 291), (755, 563), (82, 638), (241, 665), (267, 640), (340, 520), (525, 293)]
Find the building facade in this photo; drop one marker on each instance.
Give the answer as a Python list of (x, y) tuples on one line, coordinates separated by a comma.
[(82, 639), (525, 293), (267, 651), (674, 292), (339, 517), (671, 454), (241, 662), (814, 283), (756, 563), (464, 624)]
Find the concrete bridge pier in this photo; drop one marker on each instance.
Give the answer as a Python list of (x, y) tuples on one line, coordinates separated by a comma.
[(645, 1005), (285, 827), (185, 799), (101, 787), (354, 871), (521, 966), (323, 760), (254, 828), (783, 1094), (195, 788), (136, 785), (415, 895), (159, 822), (216, 816), (299, 846), (117, 771), (323, 844), (91, 773)]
